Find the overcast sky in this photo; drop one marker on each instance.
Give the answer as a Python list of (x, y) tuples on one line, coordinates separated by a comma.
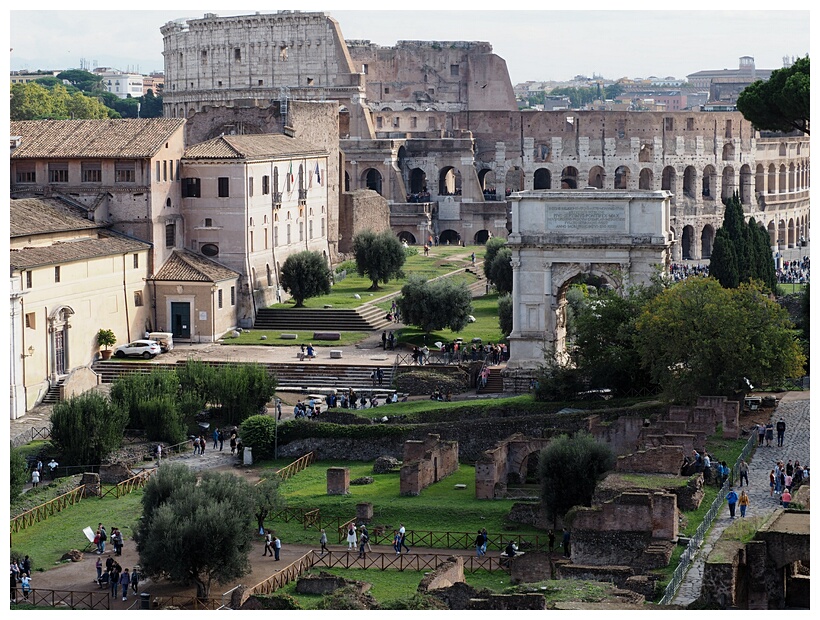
[(537, 45)]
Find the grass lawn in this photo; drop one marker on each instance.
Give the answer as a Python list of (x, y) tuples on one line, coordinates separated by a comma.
[(412, 407), (485, 311), (392, 585), (47, 541), (439, 507), (248, 336), (442, 260)]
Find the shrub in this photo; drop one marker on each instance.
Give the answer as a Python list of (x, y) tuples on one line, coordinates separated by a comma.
[(87, 428), (259, 432)]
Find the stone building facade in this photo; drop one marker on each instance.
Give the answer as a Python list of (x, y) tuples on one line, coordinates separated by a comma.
[(433, 127)]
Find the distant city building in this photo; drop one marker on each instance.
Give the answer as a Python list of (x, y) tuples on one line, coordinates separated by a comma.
[(154, 82), (23, 77), (726, 84), (120, 83)]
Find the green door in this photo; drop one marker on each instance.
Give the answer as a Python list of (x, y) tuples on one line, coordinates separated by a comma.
[(181, 319)]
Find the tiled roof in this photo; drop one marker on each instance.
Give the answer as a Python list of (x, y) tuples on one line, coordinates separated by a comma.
[(34, 216), (254, 146), (127, 138), (186, 266), (70, 251)]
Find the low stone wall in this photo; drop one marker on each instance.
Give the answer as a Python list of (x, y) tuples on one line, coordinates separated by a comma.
[(79, 381), (531, 567), (530, 514), (447, 573), (426, 462), (619, 575), (660, 460), (325, 583)]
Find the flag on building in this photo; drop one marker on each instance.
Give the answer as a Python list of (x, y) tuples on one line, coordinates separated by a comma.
[(318, 174)]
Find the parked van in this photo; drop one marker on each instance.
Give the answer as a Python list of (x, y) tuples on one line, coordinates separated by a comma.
[(165, 340)]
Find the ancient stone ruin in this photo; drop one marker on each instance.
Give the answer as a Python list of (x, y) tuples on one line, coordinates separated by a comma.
[(426, 462), (507, 462)]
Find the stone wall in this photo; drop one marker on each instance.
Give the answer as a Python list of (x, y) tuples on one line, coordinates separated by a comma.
[(661, 460), (534, 514), (618, 575), (426, 462), (506, 461), (361, 210), (78, 381), (708, 413), (445, 575), (325, 583)]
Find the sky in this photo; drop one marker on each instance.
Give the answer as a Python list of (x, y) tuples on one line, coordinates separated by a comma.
[(537, 45)]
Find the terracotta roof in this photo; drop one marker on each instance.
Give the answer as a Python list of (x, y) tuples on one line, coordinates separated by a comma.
[(129, 138), (70, 251), (255, 146), (34, 216), (186, 266)]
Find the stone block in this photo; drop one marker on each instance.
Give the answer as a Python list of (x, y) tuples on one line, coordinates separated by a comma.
[(335, 354), (364, 512), (338, 480), (327, 336), (288, 336)]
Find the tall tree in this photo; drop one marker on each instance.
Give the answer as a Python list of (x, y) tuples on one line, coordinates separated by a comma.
[(723, 261), (501, 272), (698, 338), (491, 248), (581, 454), (505, 315), (195, 533), (305, 275), (783, 102), (268, 499), (379, 257)]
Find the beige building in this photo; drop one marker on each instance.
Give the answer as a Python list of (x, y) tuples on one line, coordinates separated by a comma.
[(122, 172), (71, 277), (250, 202)]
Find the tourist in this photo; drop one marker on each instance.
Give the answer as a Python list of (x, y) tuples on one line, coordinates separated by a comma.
[(103, 538), (731, 499), (202, 444), (743, 502), (403, 534), (351, 537), (788, 482), (397, 541), (277, 546), (232, 442), (761, 434), (196, 446), (769, 433), (52, 464), (786, 498), (486, 539), (135, 579), (25, 566), (781, 432), (323, 542), (216, 437), (363, 543), (268, 544), (25, 585), (771, 483), (479, 544), (125, 581), (744, 473), (35, 479), (114, 580), (384, 340), (15, 572), (365, 534), (99, 566)]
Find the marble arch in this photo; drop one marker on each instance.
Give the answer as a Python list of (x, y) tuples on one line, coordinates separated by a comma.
[(557, 235)]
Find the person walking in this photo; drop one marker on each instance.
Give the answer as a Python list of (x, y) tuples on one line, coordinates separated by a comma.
[(761, 434), (403, 534), (135, 579), (13, 584), (351, 537), (731, 499), (786, 498), (35, 479), (397, 541), (216, 437), (769, 434), (744, 473), (99, 566), (25, 566), (323, 542), (277, 546), (384, 340), (743, 502), (363, 533), (25, 585), (268, 544), (364, 539), (781, 432), (771, 483), (486, 539), (125, 581), (479, 545)]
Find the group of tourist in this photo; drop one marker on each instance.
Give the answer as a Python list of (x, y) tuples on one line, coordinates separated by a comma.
[(389, 339), (115, 576), (422, 196), (680, 272), (794, 272), (20, 573), (481, 542)]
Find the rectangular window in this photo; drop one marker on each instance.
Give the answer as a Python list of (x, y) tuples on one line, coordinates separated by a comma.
[(219, 298), (28, 279), (137, 298), (395, 121), (237, 54), (690, 124), (56, 274), (177, 176), (364, 69), (413, 122), (222, 183), (170, 235), (191, 188), (204, 57), (301, 231), (157, 173), (208, 222), (431, 122), (728, 129), (58, 172), (91, 172), (265, 232), (136, 261), (310, 229), (233, 295), (26, 173), (31, 320), (164, 169), (669, 123), (171, 167), (265, 185), (453, 70), (125, 172), (386, 90), (251, 235), (379, 122), (275, 235), (250, 186)]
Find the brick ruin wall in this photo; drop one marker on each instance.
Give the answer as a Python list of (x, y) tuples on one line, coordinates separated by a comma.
[(426, 462), (661, 460), (361, 210)]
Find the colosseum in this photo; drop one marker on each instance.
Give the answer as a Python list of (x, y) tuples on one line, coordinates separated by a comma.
[(433, 127)]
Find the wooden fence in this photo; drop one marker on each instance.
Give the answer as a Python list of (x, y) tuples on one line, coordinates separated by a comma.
[(65, 598), (129, 486), (300, 464), (49, 509), (289, 573), (425, 561)]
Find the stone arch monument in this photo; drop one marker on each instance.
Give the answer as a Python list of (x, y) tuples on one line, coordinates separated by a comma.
[(620, 236)]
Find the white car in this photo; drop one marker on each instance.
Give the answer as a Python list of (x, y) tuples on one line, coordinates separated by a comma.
[(143, 348)]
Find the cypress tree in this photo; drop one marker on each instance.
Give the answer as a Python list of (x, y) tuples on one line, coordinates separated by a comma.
[(723, 263)]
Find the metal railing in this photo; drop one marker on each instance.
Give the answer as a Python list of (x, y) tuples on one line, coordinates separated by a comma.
[(697, 539), (440, 358)]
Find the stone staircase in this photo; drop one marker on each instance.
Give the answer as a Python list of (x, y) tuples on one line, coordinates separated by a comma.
[(495, 383), (53, 394), (363, 318), (301, 377)]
